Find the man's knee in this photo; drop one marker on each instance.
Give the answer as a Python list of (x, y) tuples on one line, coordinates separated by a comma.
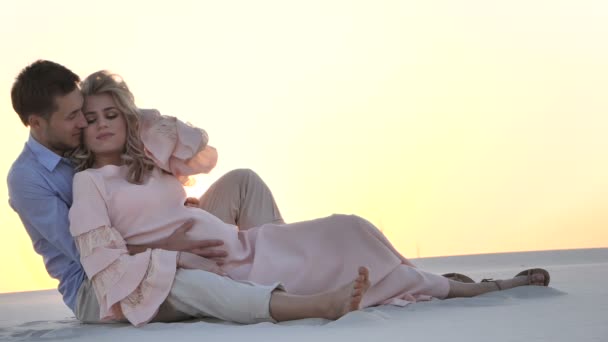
[(242, 176)]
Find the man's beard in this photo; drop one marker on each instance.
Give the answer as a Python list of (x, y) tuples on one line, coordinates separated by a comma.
[(60, 146), (63, 148)]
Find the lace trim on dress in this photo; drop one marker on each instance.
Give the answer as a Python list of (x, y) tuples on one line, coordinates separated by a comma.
[(103, 236), (105, 279), (142, 291), (166, 125)]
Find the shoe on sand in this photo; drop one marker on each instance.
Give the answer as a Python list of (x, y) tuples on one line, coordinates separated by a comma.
[(528, 273), (531, 271), (490, 280), (459, 277)]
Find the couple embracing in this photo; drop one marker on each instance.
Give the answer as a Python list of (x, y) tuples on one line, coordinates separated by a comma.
[(99, 187)]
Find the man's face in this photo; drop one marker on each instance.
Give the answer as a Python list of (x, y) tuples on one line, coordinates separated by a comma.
[(62, 131)]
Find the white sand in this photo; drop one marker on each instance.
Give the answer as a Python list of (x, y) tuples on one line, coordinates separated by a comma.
[(573, 308)]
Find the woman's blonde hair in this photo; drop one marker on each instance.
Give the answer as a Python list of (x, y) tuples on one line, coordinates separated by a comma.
[(139, 165)]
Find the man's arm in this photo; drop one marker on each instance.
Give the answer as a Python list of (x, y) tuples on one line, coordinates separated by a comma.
[(41, 210), (179, 241)]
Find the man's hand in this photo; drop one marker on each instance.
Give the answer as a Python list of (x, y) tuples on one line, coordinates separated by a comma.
[(194, 262), (178, 241), (192, 202)]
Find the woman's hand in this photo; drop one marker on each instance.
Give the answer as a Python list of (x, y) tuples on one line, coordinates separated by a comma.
[(194, 262)]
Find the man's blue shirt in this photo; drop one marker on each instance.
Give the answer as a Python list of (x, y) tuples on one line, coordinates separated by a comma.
[(40, 191)]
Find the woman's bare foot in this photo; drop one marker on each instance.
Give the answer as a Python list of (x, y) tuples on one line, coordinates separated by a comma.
[(348, 298)]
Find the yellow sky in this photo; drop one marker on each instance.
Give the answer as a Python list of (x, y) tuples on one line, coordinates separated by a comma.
[(458, 127)]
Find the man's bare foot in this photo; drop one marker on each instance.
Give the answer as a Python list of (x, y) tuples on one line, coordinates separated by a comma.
[(347, 298)]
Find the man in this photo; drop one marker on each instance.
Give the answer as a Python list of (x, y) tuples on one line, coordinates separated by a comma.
[(47, 98)]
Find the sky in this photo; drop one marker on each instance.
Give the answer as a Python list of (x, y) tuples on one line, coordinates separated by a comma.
[(457, 127)]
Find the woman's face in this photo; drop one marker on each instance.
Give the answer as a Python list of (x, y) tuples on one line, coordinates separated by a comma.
[(106, 132)]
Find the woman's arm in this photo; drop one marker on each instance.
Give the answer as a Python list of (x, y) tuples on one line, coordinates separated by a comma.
[(176, 147), (126, 285)]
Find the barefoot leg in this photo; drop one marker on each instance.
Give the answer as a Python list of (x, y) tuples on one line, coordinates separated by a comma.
[(458, 289), (331, 305)]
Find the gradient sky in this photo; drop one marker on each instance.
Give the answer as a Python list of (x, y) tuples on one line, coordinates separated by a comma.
[(457, 127)]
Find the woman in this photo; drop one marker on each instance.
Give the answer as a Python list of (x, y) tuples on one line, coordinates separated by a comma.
[(130, 190)]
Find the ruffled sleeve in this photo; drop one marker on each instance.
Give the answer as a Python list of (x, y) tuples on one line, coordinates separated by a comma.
[(126, 286), (175, 146)]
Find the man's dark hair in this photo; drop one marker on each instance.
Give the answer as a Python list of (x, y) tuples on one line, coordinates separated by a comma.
[(37, 85)]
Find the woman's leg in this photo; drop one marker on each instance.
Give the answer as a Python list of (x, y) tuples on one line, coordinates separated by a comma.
[(458, 289), (197, 293), (374, 231), (330, 305)]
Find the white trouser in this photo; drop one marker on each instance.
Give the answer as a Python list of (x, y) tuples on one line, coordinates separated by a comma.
[(197, 294), (204, 294)]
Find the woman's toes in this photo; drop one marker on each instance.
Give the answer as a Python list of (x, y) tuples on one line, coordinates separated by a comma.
[(364, 277), (355, 302)]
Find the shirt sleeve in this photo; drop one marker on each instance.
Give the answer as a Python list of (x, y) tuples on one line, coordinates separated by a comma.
[(175, 146), (42, 212), (130, 286)]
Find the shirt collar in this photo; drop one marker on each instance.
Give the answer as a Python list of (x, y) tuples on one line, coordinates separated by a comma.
[(46, 157)]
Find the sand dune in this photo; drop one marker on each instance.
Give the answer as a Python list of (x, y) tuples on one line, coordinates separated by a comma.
[(573, 308)]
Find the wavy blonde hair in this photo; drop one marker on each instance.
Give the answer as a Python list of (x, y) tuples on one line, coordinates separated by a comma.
[(139, 165)]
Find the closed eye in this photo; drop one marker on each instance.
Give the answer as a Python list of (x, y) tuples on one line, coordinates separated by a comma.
[(90, 118), (74, 114), (111, 114)]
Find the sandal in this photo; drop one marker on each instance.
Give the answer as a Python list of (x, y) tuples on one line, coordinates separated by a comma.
[(490, 280), (531, 271), (459, 277), (528, 273)]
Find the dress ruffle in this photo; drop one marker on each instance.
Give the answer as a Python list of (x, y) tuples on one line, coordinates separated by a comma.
[(176, 147)]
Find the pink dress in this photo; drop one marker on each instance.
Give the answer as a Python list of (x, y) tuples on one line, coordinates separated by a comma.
[(306, 257)]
